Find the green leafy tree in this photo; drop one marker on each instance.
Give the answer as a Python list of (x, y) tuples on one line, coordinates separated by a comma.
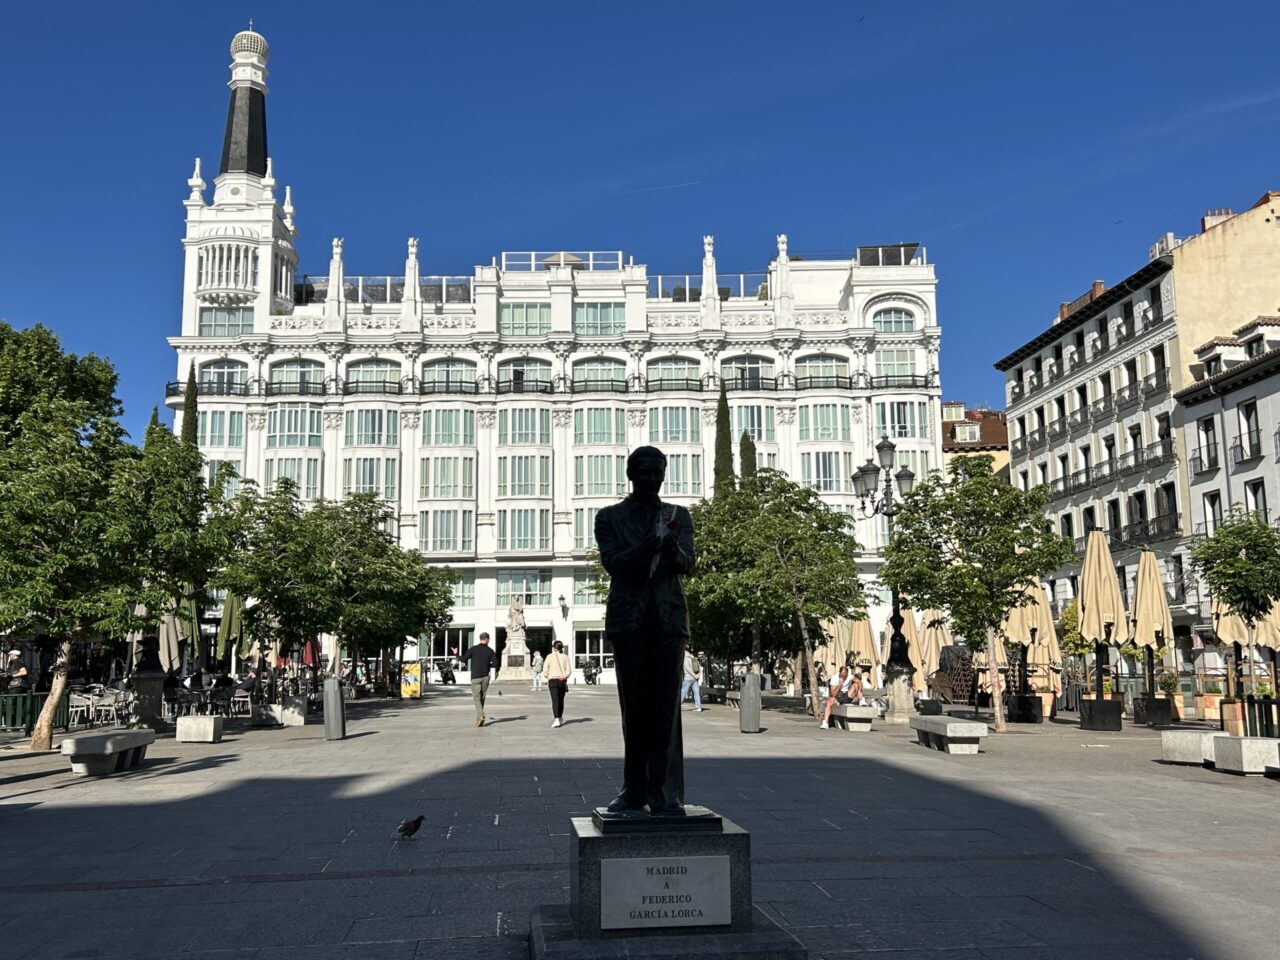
[(1240, 564), (34, 368), (64, 565), (723, 476), (972, 544), (747, 456), (191, 409), (1069, 639), (772, 558)]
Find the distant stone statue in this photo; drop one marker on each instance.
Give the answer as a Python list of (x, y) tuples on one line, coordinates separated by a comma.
[(708, 247), (515, 619), (647, 547), (337, 248), (413, 246), (782, 244)]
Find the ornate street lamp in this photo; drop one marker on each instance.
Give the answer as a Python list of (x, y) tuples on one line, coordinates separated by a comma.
[(865, 483)]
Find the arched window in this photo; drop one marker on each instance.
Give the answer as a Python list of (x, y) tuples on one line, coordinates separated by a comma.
[(297, 377), (373, 376), (449, 376), (821, 366), (600, 373), (674, 373), (224, 378), (893, 320), (524, 375), (747, 372)]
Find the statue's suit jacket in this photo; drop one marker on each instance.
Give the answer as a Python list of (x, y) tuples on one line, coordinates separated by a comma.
[(620, 534)]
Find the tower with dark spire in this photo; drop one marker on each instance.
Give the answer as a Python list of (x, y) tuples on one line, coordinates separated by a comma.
[(244, 148)]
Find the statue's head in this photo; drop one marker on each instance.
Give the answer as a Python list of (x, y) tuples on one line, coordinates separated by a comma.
[(646, 469)]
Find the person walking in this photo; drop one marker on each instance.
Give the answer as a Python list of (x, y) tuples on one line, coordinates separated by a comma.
[(480, 660), (557, 670), (692, 679), (536, 666)]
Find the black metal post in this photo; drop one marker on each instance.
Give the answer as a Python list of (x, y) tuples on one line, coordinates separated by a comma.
[(899, 662), (1024, 684), (1102, 659)]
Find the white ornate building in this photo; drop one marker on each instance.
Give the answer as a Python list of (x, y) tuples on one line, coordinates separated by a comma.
[(495, 410)]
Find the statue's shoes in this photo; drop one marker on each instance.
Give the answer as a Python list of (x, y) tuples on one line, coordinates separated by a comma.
[(624, 803), (666, 808)]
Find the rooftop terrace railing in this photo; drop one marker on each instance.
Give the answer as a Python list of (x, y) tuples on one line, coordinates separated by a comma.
[(532, 261), (687, 287), (385, 289)]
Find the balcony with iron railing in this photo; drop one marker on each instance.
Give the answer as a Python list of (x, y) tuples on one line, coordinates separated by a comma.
[(1036, 438), (598, 385), (1100, 349), (1057, 428), (1129, 394), (448, 386), (1156, 382), (295, 388), (1155, 316), (887, 381), (1056, 370), (371, 387), (1247, 448), (209, 388), (750, 383), (1017, 390), (1034, 382), (1126, 332), (835, 382), (1018, 446), (1078, 419), (1104, 406), (524, 386), (1204, 459), (664, 384), (1082, 479), (1059, 487), (1159, 453)]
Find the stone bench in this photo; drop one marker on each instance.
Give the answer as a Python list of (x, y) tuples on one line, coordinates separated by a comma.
[(948, 734), (199, 729), (100, 754), (1247, 756), (1188, 746), (855, 719), (733, 698)]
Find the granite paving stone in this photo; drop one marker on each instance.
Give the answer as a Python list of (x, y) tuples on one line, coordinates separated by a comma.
[(1052, 843)]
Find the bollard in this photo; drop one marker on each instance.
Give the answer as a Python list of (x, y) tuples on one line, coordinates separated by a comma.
[(335, 710), (749, 705)]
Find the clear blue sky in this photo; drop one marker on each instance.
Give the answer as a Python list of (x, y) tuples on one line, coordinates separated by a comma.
[(1033, 147)]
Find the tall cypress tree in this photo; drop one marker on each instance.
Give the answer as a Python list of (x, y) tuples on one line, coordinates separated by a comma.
[(190, 409), (747, 456), (155, 418), (724, 479)]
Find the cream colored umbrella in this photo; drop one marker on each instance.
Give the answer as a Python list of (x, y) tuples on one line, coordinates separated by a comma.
[(1266, 633), (912, 636), (862, 644), (934, 635), (1102, 617), (1044, 656), (835, 645), (1151, 625)]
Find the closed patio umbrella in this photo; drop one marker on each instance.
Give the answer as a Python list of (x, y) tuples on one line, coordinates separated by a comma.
[(230, 626), (1229, 629), (934, 635), (862, 644), (1102, 615), (1151, 625), (1016, 629), (1267, 634), (832, 651), (1044, 657)]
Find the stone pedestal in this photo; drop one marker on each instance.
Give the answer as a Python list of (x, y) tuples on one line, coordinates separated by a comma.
[(1026, 709), (199, 729), (293, 712), (266, 715), (674, 888), (1153, 711), (749, 704), (902, 705), (515, 660)]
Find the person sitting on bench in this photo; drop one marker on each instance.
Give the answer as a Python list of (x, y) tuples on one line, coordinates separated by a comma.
[(840, 691)]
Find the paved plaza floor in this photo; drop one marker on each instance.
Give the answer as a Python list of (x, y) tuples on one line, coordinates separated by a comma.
[(1052, 844)]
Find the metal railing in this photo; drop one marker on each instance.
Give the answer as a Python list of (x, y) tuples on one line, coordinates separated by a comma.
[(383, 289), (1100, 348), (19, 711), (375, 387), (900, 380), (1103, 405), (1248, 447), (1159, 453), (1157, 381), (891, 255), (1016, 391), (687, 287), (750, 383), (1034, 382), (1204, 459), (661, 384), (1129, 393), (295, 388), (532, 261), (524, 386), (1126, 332), (1018, 446), (1036, 437), (1056, 428), (210, 388), (1261, 716), (592, 385), (448, 386), (835, 382), (1078, 418)]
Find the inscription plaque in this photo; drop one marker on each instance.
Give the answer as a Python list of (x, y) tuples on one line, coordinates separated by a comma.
[(664, 892)]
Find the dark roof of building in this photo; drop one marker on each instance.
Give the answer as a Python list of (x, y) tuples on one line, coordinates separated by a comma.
[(993, 432), (1131, 284), (1233, 378)]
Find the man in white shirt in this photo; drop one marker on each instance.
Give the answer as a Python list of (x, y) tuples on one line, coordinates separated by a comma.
[(839, 691)]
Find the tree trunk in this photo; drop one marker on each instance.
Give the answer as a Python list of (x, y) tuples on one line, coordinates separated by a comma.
[(993, 672), (757, 652), (813, 667), (42, 733)]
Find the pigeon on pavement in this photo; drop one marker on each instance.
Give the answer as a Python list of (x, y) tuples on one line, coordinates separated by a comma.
[(408, 828)]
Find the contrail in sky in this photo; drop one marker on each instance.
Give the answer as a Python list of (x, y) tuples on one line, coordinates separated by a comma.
[(667, 186)]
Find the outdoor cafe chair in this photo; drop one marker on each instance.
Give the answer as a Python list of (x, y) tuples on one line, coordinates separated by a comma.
[(81, 709)]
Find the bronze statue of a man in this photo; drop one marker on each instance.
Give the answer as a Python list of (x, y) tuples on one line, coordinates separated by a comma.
[(646, 546)]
